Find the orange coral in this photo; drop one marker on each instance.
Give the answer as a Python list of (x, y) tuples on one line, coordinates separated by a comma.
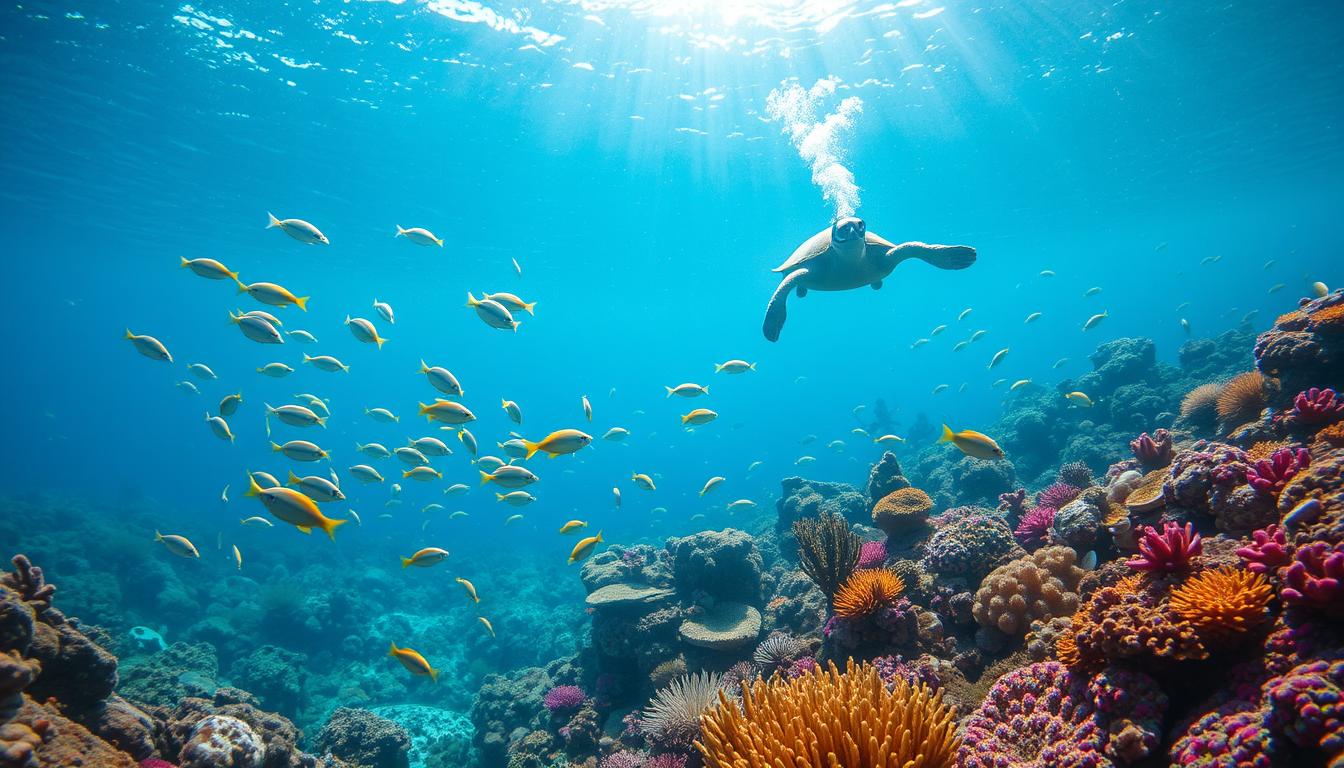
[(1039, 586), (1241, 399), (865, 592), (1292, 321), (902, 510), (1130, 619), (825, 718), (1066, 650), (1223, 602), (1263, 449), (1201, 403), (1328, 319)]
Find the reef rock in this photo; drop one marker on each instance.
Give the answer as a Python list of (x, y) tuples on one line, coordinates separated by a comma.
[(723, 564), (800, 497), (885, 477), (362, 738), (1305, 348), (617, 596), (220, 741)]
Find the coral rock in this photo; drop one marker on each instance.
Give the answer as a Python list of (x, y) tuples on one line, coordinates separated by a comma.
[(902, 510), (362, 738), (885, 477), (220, 741), (724, 564)]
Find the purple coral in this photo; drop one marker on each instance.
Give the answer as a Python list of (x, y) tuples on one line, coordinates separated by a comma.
[(1033, 530), (1270, 475), (799, 667), (1318, 406), (872, 554), (1267, 552), (1057, 495), (1307, 706), (1153, 452), (1014, 503), (625, 759), (29, 582), (1167, 551), (667, 760), (564, 698), (1316, 576)]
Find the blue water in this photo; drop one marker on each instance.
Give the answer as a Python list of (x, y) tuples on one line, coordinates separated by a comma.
[(621, 153)]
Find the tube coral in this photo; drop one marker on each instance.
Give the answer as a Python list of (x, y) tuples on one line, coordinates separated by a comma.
[(826, 718), (1271, 474), (1168, 551), (866, 592)]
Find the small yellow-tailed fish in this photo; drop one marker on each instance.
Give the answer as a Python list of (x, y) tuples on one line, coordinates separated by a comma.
[(469, 588), (419, 236), (511, 301), (616, 434), (290, 506), (573, 526), (274, 295), (385, 309), (1079, 398), (687, 390), (938, 330), (1020, 383), (467, 439), (509, 476), (587, 409), (940, 388), (1093, 291), (711, 484), (229, 405), (210, 269), (976, 336), (457, 514), (889, 439), (972, 443), (998, 358), (178, 545), (422, 473), (559, 442), (734, 366), (964, 313), (447, 412), (413, 662), (1033, 317), (511, 408), (257, 522), (642, 480), (149, 346), (1094, 320), (585, 548), (484, 621), (616, 492), (298, 229), (238, 557), (699, 416), (425, 558), (364, 331)]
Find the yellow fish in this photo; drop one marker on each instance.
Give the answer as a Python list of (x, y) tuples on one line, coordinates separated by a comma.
[(294, 508), (413, 662), (585, 548), (275, 295), (210, 269), (484, 621), (511, 408), (1080, 398), (238, 557), (699, 416), (447, 412), (425, 558), (559, 442), (572, 526), (640, 479), (972, 443), (1093, 320), (470, 589), (178, 545)]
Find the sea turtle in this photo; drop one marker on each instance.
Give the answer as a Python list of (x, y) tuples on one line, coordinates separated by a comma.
[(847, 256)]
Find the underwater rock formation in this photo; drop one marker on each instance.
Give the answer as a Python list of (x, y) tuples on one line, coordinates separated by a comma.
[(362, 738)]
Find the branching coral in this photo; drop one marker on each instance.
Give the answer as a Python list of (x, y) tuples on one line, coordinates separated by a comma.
[(872, 554), (672, 719), (865, 592), (564, 698), (1223, 602), (1040, 586), (1168, 551), (902, 510), (1033, 530), (1267, 552), (1044, 715), (1241, 399), (1272, 474), (1200, 405), (1153, 452), (1317, 406), (826, 718), (828, 551)]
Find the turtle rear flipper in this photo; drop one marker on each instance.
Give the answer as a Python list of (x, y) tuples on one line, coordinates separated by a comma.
[(777, 311), (940, 256)]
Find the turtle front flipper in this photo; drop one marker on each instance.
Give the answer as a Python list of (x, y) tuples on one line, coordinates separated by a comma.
[(776, 311), (940, 256)]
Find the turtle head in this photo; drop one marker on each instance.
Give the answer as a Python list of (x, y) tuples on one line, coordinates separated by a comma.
[(847, 229)]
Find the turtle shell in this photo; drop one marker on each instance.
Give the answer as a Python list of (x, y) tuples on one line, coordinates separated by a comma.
[(820, 243)]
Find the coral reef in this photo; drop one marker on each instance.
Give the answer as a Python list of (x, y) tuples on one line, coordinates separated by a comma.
[(362, 738), (1040, 586), (902, 510), (865, 592), (827, 551)]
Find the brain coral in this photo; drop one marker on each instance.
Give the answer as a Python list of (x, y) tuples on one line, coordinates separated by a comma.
[(1223, 602), (826, 718), (1044, 715), (971, 547), (902, 510), (865, 592), (1039, 586)]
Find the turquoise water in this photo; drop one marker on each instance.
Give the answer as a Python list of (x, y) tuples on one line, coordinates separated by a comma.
[(624, 155)]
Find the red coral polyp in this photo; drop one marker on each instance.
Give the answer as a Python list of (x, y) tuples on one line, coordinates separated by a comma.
[(1267, 552), (1316, 576), (1271, 474), (1167, 551), (1318, 406)]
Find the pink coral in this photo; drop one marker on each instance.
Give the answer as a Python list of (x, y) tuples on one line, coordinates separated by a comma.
[(667, 760), (563, 698), (1033, 530), (154, 762), (1267, 552), (872, 554), (1167, 551), (1270, 475), (1057, 495), (624, 759), (1316, 576), (1153, 452), (1318, 406)]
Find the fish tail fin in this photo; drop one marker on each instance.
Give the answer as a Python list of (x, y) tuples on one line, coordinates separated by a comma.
[(424, 411), (471, 300), (718, 367), (302, 303), (532, 448), (128, 335), (405, 474), (486, 477), (330, 527), (947, 435), (599, 537), (439, 242), (158, 536), (706, 389), (271, 221), (378, 340), (685, 418), (307, 358), (752, 366), (242, 288), (528, 308), (499, 496), (393, 651), (184, 260), (434, 673), (405, 561), (252, 488), (669, 391), (276, 447), (293, 478), (400, 231), (322, 421)]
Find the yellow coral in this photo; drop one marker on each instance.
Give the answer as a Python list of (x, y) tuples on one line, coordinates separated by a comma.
[(1066, 649), (1328, 319), (1263, 449), (1223, 602), (1148, 494), (901, 510), (1241, 399), (825, 718), (865, 592)]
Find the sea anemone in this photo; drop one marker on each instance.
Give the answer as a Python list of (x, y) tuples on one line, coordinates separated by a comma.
[(1271, 474), (1318, 406), (866, 592), (827, 718), (1167, 551), (1223, 602), (1316, 576), (1241, 399), (672, 719), (563, 698), (1267, 552), (1033, 530), (1200, 405)]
